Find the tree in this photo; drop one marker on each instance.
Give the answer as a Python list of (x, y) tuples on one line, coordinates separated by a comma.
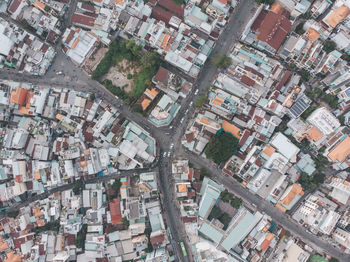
[(204, 173), (308, 112), (116, 186), (226, 196), (200, 101), (215, 213), (80, 240), (306, 182), (150, 60), (333, 259), (236, 202), (222, 61), (329, 46), (266, 2), (221, 147), (126, 222), (92, 97), (225, 219), (78, 186), (13, 214), (178, 2), (299, 29), (331, 100)]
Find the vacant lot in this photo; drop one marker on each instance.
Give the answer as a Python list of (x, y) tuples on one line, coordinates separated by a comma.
[(119, 75)]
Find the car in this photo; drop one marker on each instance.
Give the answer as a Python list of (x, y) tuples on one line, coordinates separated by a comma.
[(191, 103), (196, 92), (59, 73), (167, 133), (182, 119), (164, 154), (172, 146), (171, 127), (169, 153)]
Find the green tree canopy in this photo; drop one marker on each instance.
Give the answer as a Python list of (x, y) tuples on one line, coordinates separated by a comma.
[(221, 147), (200, 101), (329, 46), (299, 29), (222, 61)]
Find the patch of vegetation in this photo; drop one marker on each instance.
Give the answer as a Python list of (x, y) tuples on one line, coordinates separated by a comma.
[(333, 259), (78, 187), (225, 219), (299, 28), (119, 50), (221, 147), (116, 90), (81, 236), (236, 202), (315, 93), (179, 2), (51, 226), (305, 75), (226, 196), (200, 101), (329, 46), (13, 214), (266, 2), (222, 61), (308, 112), (27, 26), (331, 100), (311, 182), (126, 222), (116, 187), (215, 213), (345, 57)]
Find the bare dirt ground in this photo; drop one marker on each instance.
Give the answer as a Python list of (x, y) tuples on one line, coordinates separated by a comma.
[(92, 62), (119, 75)]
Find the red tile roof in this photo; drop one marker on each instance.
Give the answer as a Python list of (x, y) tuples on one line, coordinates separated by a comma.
[(87, 7), (14, 5), (157, 240), (69, 37), (83, 20), (247, 80), (114, 207), (272, 28), (161, 14), (285, 79), (177, 10), (161, 75)]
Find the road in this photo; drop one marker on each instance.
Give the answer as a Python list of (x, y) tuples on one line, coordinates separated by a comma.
[(74, 78)]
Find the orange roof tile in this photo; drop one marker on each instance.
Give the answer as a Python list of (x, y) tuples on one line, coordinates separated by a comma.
[(295, 190), (40, 222), (277, 8), (114, 207), (39, 5), (341, 151), (145, 103), (204, 121), (314, 134), (231, 128), (37, 212), (152, 92), (267, 241), (59, 116), (338, 16), (3, 245), (25, 109), (182, 188), (216, 102), (74, 45), (269, 150), (36, 176), (165, 41), (12, 257), (219, 99), (19, 96), (119, 2), (312, 34)]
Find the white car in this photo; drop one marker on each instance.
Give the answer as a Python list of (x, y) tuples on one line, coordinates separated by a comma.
[(59, 73), (164, 154), (186, 111), (196, 92), (182, 119), (172, 146), (191, 103), (171, 127), (169, 153)]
